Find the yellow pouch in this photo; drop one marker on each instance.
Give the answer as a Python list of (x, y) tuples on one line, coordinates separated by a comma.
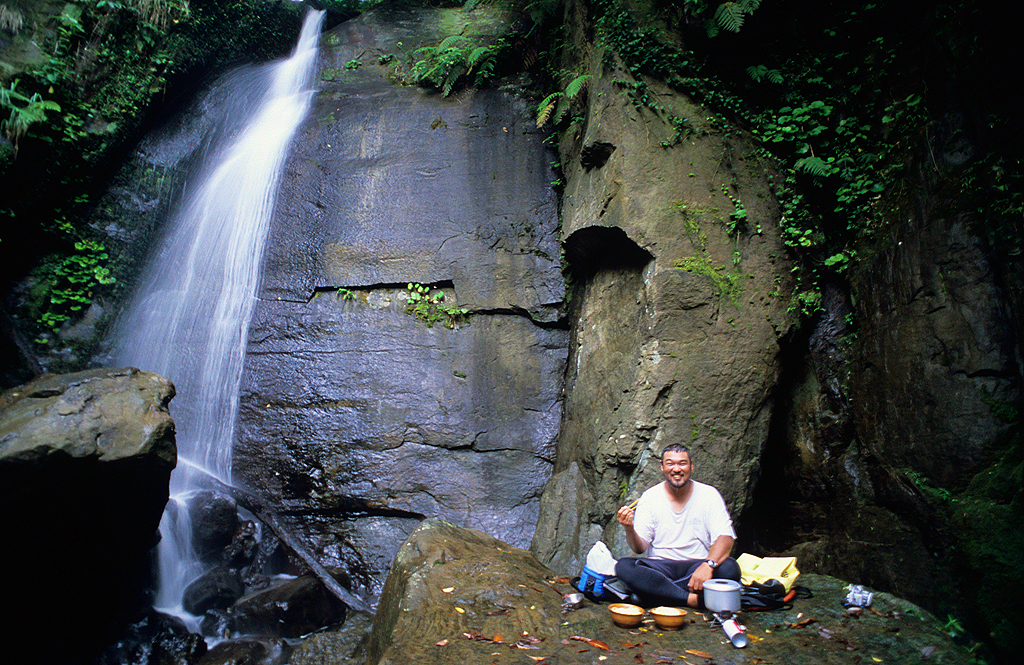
[(758, 569)]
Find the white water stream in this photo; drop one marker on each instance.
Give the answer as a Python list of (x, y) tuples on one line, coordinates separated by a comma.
[(189, 319)]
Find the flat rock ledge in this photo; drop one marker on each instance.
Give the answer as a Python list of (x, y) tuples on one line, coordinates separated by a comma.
[(456, 595)]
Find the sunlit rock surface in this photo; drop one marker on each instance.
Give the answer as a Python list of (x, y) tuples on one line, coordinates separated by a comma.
[(459, 596), (357, 417)]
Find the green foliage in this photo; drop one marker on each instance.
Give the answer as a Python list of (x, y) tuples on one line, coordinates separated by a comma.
[(430, 306), (730, 15), (761, 72), (727, 282), (556, 104), (456, 61), (738, 217), (24, 112), (72, 281)]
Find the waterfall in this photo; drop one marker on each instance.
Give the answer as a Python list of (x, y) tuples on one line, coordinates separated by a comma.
[(189, 320)]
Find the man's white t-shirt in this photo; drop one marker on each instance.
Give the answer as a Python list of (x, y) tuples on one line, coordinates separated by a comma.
[(684, 535)]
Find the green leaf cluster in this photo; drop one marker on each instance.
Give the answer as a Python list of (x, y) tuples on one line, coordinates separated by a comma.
[(429, 305)]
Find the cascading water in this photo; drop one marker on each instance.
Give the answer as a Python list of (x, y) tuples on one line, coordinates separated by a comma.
[(189, 320)]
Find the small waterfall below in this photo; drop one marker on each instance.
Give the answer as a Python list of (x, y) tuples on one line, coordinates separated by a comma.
[(189, 319)]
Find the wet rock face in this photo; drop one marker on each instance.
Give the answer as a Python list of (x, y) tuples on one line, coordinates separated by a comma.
[(361, 417), (292, 609), (85, 461), (214, 520), (938, 332), (155, 638)]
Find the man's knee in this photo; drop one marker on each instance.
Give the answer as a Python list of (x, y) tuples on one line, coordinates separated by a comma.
[(624, 566), (729, 570)]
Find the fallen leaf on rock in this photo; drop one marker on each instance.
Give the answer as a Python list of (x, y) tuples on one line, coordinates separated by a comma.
[(632, 645), (702, 654), (497, 638), (448, 589), (597, 644), (523, 645), (442, 643), (825, 633), (639, 658), (460, 610), (801, 624), (537, 658), (927, 652)]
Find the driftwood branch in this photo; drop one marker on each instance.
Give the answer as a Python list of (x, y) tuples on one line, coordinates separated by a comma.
[(269, 517)]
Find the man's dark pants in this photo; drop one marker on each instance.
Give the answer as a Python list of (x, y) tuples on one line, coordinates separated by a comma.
[(664, 581)]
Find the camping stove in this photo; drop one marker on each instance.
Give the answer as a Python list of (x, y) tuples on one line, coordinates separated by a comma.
[(736, 632)]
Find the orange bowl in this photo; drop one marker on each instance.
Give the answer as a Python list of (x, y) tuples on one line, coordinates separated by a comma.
[(625, 615), (668, 618)]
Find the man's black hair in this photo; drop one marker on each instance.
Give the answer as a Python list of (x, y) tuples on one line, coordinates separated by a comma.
[(676, 448)]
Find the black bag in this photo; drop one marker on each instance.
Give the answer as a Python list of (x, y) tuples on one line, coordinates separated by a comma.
[(770, 595), (600, 589)]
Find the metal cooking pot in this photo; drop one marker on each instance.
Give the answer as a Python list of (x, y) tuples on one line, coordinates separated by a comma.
[(722, 595)]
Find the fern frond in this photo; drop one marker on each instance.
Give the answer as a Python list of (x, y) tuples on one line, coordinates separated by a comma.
[(814, 165), (546, 107), (711, 28), (576, 85), (477, 53), (450, 42), (450, 79), (758, 72), (750, 6), (729, 16)]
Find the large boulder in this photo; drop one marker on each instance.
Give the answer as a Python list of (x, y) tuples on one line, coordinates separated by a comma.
[(681, 281), (460, 596), (354, 413), (85, 461)]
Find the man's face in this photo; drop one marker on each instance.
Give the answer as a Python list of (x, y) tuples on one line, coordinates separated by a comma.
[(676, 467)]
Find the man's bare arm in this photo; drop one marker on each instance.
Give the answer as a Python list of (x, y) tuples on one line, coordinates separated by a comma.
[(625, 518)]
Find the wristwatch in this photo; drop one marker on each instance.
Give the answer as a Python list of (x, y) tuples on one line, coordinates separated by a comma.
[(712, 563)]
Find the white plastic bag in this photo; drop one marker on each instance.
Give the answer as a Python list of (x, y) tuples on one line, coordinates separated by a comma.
[(600, 559)]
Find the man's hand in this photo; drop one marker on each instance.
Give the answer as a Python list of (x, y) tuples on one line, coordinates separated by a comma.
[(703, 573), (625, 518)]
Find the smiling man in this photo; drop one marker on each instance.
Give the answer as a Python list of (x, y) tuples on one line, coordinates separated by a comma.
[(685, 528)]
